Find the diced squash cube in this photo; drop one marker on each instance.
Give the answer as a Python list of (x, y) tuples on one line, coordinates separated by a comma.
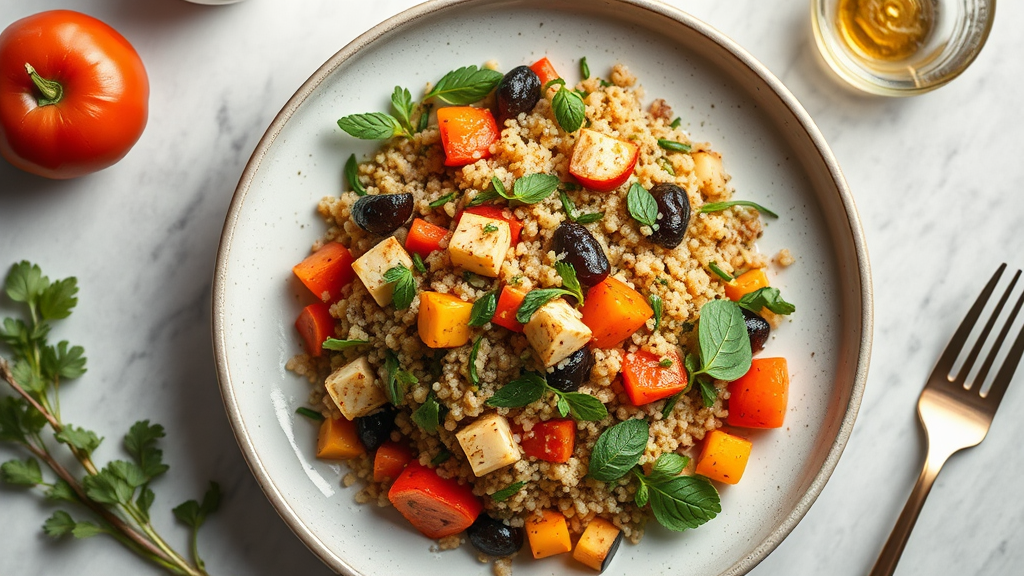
[(370, 268), (745, 283), (548, 534), (338, 440), (488, 444), (354, 388), (723, 457), (614, 311), (598, 544), (443, 320), (479, 244), (555, 331), (758, 399), (389, 461)]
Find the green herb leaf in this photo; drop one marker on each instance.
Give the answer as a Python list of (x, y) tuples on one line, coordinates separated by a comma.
[(642, 496), (352, 176), (489, 228), (562, 405), (673, 146), (443, 200), (536, 298), (371, 126), (57, 299), (144, 501), (25, 282), (309, 413), (768, 297), (507, 492), (62, 361), (130, 472), (193, 514), (584, 68), (62, 524), (465, 85), (79, 438), (18, 420), (724, 346), (483, 196), (107, 487), (668, 464), (475, 280), (401, 101), (708, 392), (533, 188), (550, 83), (140, 442), (397, 378), (338, 344), (428, 415), (642, 206), (441, 457), (589, 217), (713, 266), (520, 392), (483, 309), (569, 280), (567, 205), (417, 263), (719, 206), (675, 122), (666, 165), (61, 491), (682, 502), (657, 305), (570, 111), (424, 117), (584, 407), (670, 404), (618, 449), (21, 472), (474, 378), (405, 286)]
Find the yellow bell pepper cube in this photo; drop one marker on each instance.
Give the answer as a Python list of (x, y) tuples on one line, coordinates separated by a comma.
[(443, 320), (723, 457), (548, 534), (598, 544), (745, 283), (338, 440)]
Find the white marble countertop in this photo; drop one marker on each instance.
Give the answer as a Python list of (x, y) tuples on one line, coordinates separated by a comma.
[(938, 181)]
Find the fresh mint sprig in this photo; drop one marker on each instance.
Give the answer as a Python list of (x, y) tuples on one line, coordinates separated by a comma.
[(465, 85), (116, 499), (531, 387)]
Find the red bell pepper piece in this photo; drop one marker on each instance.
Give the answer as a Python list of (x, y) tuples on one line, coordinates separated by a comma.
[(509, 302), (326, 271), (646, 380), (389, 461), (758, 398), (315, 324), (424, 237), (435, 506), (544, 70), (551, 440)]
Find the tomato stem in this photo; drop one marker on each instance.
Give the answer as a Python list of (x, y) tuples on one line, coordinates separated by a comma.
[(52, 90)]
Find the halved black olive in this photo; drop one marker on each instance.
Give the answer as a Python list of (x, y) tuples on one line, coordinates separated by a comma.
[(582, 251), (382, 214), (574, 371), (758, 330), (494, 537), (518, 91), (673, 214), (375, 429)]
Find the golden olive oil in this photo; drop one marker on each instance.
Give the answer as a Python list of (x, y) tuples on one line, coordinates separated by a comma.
[(886, 30)]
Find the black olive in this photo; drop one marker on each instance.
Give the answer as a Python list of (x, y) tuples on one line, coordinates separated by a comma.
[(518, 92), (758, 330), (574, 371), (673, 214), (382, 214), (582, 251), (494, 537), (375, 429)]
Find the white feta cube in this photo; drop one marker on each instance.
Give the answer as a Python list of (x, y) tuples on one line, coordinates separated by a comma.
[(370, 268), (354, 388), (479, 244), (488, 444), (555, 331)]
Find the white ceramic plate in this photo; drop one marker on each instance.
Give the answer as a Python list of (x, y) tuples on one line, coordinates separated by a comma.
[(776, 157)]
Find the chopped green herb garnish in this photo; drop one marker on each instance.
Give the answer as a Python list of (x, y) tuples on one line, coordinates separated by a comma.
[(584, 68), (666, 165), (428, 415), (397, 378), (642, 206), (441, 457), (665, 362), (713, 266), (657, 305), (531, 387), (474, 378), (508, 491), (675, 122), (443, 200), (483, 309), (673, 146), (719, 206), (768, 297), (417, 263), (405, 286), (352, 176), (489, 228), (337, 344), (308, 413)]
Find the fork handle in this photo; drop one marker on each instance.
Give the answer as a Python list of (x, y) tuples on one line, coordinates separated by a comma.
[(890, 555)]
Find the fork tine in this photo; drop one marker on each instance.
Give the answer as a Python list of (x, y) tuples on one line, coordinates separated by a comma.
[(956, 343), (965, 369), (1005, 374), (979, 379)]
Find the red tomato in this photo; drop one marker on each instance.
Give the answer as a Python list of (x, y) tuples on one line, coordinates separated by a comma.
[(74, 95)]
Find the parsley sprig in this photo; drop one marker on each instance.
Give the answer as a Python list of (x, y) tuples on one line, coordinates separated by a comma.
[(114, 500)]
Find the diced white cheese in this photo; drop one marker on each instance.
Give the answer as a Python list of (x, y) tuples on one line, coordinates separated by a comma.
[(555, 331), (354, 388), (370, 268), (479, 244), (488, 444)]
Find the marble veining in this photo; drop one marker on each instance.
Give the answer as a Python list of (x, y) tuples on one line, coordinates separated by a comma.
[(937, 179)]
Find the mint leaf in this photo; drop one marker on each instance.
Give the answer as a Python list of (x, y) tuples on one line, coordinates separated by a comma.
[(428, 415), (682, 502), (405, 286), (708, 392), (520, 392), (618, 449), (642, 206), (533, 188), (371, 126), (465, 85), (569, 280), (668, 464), (401, 102), (536, 298), (21, 472), (483, 309), (724, 346), (584, 406), (352, 176), (767, 297), (570, 111)]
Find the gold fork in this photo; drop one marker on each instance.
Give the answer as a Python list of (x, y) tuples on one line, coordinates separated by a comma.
[(954, 412)]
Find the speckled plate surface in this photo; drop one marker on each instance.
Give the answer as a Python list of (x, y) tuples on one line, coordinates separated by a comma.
[(776, 157)]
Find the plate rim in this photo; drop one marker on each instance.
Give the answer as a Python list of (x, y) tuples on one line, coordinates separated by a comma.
[(407, 17)]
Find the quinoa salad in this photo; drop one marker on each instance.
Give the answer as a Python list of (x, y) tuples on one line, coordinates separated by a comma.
[(539, 316)]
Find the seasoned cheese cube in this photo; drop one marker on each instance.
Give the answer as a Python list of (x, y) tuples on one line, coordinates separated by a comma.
[(479, 244), (370, 268), (555, 331), (488, 444), (353, 387)]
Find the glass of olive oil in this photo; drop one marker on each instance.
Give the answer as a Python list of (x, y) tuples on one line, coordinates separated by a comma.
[(900, 47)]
